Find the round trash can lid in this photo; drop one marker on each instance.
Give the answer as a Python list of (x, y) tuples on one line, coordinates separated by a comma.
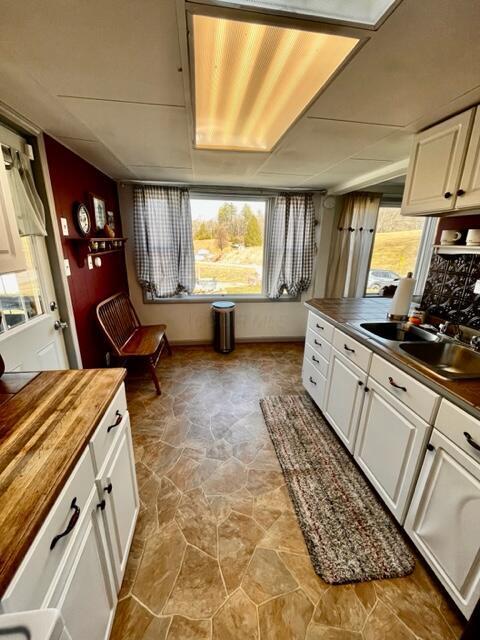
[(223, 305)]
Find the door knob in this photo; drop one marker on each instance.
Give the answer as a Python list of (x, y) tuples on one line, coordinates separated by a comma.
[(59, 325)]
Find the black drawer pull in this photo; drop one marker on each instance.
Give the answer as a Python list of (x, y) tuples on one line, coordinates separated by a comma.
[(117, 421), (109, 488), (360, 383), (471, 441), (460, 192), (319, 344), (315, 359), (70, 526), (394, 384), (430, 447), (347, 348), (101, 505), (312, 380), (447, 194), (319, 326)]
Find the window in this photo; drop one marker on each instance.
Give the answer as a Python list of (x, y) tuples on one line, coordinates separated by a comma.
[(20, 293), (396, 248), (228, 240)]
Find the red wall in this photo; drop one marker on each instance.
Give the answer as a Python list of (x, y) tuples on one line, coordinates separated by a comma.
[(72, 179), (459, 223)]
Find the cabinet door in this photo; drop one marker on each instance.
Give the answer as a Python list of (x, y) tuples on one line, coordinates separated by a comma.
[(470, 181), (84, 594), (390, 445), (444, 519), (436, 162), (118, 487), (314, 383), (345, 391), (11, 254)]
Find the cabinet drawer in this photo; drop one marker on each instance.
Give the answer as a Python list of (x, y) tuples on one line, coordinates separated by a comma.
[(455, 424), (108, 428), (35, 576), (414, 394), (353, 350), (316, 360), (318, 344), (320, 326), (314, 383)]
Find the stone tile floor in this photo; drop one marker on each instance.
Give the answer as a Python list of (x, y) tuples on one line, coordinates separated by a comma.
[(218, 554)]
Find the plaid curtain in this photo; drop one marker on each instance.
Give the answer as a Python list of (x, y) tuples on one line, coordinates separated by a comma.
[(291, 244), (163, 240)]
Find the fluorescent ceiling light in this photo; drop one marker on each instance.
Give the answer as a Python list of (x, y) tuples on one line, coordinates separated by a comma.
[(365, 12), (253, 80)]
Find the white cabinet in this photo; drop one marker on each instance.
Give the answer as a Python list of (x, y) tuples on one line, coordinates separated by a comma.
[(314, 383), (344, 397), (85, 594), (468, 194), (389, 448), (11, 254), (444, 519), (117, 488)]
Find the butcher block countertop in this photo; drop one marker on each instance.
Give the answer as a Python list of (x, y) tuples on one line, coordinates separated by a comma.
[(44, 428), (342, 311)]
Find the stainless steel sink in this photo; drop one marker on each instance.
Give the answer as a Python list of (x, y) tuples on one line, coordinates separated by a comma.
[(447, 359), (397, 331)]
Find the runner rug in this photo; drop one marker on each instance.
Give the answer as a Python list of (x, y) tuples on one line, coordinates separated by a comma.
[(348, 532)]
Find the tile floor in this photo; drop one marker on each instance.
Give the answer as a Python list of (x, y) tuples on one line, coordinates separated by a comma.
[(218, 554)]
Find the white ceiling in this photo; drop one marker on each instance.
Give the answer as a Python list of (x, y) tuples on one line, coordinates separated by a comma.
[(106, 79)]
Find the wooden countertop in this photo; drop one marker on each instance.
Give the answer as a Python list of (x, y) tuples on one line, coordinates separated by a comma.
[(44, 429), (341, 311)]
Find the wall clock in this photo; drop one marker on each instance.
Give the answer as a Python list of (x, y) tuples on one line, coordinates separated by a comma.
[(83, 219)]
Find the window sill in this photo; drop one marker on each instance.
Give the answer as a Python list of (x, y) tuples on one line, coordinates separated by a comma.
[(209, 299)]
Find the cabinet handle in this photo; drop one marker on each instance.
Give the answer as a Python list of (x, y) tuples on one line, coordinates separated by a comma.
[(394, 384), (447, 194), (312, 380), (315, 359), (360, 383), (319, 326), (117, 421), (471, 441), (101, 505), (73, 521), (348, 349), (430, 447), (460, 192), (109, 488), (319, 344), (366, 389)]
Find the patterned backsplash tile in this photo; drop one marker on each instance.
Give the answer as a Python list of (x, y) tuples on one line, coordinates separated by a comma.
[(449, 289)]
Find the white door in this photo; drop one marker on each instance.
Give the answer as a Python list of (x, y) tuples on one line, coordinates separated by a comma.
[(444, 519), (118, 487), (28, 338), (436, 162), (86, 599), (345, 391), (469, 192), (390, 445)]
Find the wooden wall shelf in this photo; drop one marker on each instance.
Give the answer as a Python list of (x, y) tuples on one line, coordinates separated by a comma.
[(455, 249), (96, 247)]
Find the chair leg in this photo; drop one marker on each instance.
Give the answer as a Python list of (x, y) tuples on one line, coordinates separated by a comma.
[(153, 373), (167, 345)]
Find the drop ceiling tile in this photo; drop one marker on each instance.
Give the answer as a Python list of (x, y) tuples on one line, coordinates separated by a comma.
[(314, 145), (394, 147), (137, 134), (115, 49), (166, 174), (280, 180), (98, 155), (346, 170), (426, 53), (216, 164)]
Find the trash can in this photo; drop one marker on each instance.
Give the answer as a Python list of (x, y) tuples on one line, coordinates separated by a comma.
[(223, 326)]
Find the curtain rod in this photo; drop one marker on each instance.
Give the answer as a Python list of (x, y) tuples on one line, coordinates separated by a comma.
[(208, 188)]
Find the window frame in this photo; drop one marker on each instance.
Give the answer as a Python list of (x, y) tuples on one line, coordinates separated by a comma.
[(424, 254), (198, 298)]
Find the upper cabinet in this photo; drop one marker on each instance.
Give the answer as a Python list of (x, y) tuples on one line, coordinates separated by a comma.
[(11, 254), (444, 170)]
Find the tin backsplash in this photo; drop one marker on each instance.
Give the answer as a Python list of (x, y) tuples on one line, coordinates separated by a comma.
[(449, 289)]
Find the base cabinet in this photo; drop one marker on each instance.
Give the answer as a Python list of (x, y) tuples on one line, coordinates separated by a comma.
[(389, 447), (344, 398), (444, 519)]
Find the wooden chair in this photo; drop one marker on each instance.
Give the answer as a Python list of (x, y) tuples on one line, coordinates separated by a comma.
[(128, 338)]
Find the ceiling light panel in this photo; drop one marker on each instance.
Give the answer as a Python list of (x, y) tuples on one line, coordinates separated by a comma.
[(253, 80)]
